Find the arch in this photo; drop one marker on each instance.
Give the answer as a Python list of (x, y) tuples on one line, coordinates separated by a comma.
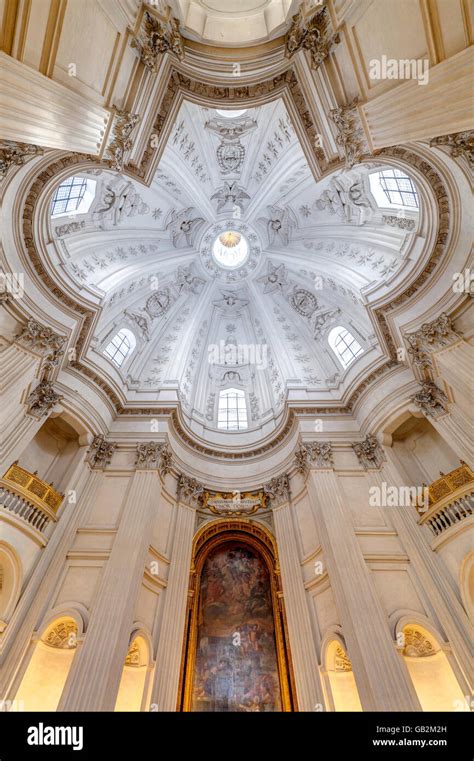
[(225, 627), (134, 681), (344, 345), (426, 657), (338, 673), (51, 658), (11, 577), (121, 346)]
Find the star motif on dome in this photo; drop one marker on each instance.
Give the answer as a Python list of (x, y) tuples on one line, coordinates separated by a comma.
[(275, 278)]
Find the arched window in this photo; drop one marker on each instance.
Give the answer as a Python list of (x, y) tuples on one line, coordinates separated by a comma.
[(344, 345), (391, 187), (232, 413), (121, 346), (73, 196)]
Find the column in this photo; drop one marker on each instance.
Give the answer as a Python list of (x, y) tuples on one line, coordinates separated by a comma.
[(16, 429), (170, 646), (434, 582), (453, 425), (303, 650), (456, 430), (456, 367), (68, 121), (410, 112), (95, 674), (437, 347), (44, 579), (382, 680)]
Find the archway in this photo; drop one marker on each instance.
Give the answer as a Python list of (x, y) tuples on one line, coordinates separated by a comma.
[(134, 676), (343, 686), (45, 676), (236, 653), (431, 673)]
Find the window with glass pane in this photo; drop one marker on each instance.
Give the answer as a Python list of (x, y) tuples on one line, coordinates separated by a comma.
[(68, 196), (398, 188), (120, 347), (344, 345), (232, 412)]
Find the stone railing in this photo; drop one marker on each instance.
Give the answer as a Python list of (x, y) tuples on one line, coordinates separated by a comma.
[(28, 497), (451, 500)]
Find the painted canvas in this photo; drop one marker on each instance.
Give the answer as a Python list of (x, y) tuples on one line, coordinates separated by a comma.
[(236, 662)]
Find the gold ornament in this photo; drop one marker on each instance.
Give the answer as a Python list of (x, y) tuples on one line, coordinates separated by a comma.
[(230, 239)]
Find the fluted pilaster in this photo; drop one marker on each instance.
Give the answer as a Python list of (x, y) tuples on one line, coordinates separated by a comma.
[(168, 659), (456, 367), (456, 429), (382, 680), (16, 428), (433, 579), (94, 678), (43, 583), (303, 651)]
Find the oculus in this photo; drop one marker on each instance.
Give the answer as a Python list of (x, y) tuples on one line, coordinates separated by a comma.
[(230, 249), (231, 114)]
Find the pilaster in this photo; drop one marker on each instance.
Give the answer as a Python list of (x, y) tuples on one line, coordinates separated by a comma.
[(303, 651), (382, 680), (170, 646), (95, 674)]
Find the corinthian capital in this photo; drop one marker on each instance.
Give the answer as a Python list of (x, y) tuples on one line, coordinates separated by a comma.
[(313, 33), (350, 135), (15, 154), (101, 451), (154, 455), (459, 144), (369, 452), (189, 491), (120, 141), (278, 490), (157, 37), (316, 454), (431, 400), (38, 337), (430, 337), (42, 399)]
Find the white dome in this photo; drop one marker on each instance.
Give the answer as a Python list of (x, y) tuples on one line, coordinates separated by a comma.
[(235, 244)]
